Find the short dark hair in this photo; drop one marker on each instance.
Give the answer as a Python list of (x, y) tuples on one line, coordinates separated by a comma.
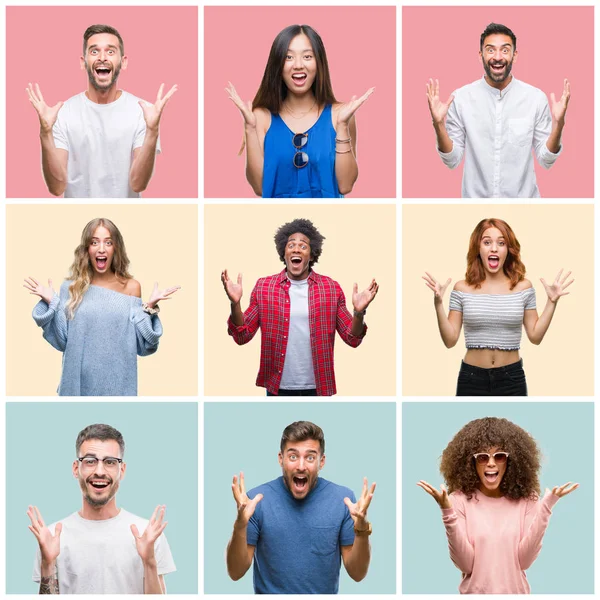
[(305, 227), (100, 432), (94, 29), (493, 28), (300, 431)]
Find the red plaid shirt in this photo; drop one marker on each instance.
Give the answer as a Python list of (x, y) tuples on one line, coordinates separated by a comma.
[(269, 309)]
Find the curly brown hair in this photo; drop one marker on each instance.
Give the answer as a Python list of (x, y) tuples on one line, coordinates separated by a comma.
[(481, 435)]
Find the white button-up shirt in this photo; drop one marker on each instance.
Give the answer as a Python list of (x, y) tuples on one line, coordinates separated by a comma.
[(496, 130)]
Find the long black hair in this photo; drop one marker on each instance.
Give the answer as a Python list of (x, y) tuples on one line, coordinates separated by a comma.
[(273, 91)]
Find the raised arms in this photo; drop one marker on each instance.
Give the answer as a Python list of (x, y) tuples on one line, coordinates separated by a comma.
[(450, 325), (49, 550)]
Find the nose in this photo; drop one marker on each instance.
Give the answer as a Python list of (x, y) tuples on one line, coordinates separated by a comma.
[(100, 469), (497, 54), (298, 62)]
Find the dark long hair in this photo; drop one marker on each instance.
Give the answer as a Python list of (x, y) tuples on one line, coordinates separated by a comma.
[(273, 91)]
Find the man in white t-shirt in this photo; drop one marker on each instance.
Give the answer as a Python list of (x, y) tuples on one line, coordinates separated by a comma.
[(100, 550), (100, 143)]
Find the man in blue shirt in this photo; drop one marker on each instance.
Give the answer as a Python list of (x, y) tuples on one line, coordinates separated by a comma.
[(299, 527)]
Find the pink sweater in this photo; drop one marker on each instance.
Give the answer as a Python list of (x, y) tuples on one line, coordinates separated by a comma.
[(494, 540)]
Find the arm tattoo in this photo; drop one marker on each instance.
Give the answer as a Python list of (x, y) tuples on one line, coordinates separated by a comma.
[(49, 585)]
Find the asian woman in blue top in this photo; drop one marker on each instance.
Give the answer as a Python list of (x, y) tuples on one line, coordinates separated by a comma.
[(494, 302), (98, 320), (300, 142)]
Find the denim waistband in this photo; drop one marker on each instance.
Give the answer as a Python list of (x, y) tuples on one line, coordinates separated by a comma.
[(506, 369)]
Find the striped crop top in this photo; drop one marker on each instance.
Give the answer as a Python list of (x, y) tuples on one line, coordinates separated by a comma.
[(493, 321)]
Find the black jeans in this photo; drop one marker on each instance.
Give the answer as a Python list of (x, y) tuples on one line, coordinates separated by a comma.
[(312, 392), (500, 381)]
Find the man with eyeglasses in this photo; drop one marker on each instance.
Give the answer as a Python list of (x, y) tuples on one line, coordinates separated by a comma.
[(101, 549), (496, 122), (299, 528), (298, 312)]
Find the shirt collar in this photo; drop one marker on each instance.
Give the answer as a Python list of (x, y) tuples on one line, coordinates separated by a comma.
[(496, 92), (282, 277)]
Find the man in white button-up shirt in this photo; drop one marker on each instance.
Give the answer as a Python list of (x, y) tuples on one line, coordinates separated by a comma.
[(495, 122)]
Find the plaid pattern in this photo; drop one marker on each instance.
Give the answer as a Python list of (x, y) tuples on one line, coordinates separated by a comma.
[(269, 309)]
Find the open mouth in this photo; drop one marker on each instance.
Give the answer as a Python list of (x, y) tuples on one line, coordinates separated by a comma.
[(493, 262), (300, 483), (99, 484), (296, 261), (101, 262), (299, 78), (498, 68), (103, 72), (491, 476)]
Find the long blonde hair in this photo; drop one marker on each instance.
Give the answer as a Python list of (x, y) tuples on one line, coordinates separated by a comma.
[(81, 272)]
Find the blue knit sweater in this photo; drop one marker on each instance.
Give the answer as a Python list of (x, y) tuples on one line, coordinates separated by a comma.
[(101, 343)]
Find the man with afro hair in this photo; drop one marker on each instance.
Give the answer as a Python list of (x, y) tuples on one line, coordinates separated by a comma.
[(298, 312)]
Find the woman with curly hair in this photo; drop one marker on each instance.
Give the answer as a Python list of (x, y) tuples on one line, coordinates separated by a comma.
[(494, 302), (491, 508), (98, 320), (300, 141)]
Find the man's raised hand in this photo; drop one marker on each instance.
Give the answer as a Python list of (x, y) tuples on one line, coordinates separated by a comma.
[(358, 509), (245, 506), (233, 290), (49, 544), (437, 108), (361, 300), (153, 112), (145, 543), (559, 109), (47, 114)]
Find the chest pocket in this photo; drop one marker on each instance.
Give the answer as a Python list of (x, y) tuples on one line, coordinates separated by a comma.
[(520, 132), (323, 540)]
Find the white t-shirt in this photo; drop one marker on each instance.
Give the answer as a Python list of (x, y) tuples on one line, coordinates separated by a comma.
[(100, 140), (100, 557)]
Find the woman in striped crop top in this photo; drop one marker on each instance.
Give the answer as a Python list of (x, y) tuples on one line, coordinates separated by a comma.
[(493, 510), (494, 302), (300, 141)]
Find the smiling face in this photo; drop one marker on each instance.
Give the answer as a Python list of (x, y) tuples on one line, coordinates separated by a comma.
[(297, 256), (300, 65), (498, 55), (301, 463), (99, 483), (103, 60), (101, 250), (490, 473), (493, 250)]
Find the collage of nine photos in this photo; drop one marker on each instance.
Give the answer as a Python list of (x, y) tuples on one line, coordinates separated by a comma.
[(196, 226)]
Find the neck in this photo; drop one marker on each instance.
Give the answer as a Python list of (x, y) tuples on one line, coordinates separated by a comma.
[(99, 513), (499, 85), (300, 101), (103, 96), (103, 279), (491, 493)]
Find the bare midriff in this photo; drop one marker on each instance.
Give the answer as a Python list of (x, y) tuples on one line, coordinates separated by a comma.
[(487, 358)]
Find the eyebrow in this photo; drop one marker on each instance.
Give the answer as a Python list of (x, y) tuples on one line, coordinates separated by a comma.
[(106, 238), (96, 46), (301, 51), (489, 237), (502, 46), (296, 451)]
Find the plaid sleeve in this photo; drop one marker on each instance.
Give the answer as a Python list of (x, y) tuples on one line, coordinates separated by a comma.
[(343, 322), (242, 334)]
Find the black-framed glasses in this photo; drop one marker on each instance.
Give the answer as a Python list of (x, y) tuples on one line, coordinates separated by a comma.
[(484, 457), (91, 462), (300, 158)]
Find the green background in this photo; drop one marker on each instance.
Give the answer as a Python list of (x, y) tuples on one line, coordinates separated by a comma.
[(565, 434), (161, 452), (360, 441)]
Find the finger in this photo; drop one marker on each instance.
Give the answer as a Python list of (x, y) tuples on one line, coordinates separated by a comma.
[(543, 282), (448, 282), (565, 277), (154, 514), (552, 98), (39, 516), (170, 93), (49, 282), (160, 91), (161, 515), (239, 279), (257, 499), (242, 483), (566, 285), (39, 92), (558, 276), (355, 288), (365, 487), (37, 535), (571, 489), (428, 489), (32, 517), (431, 277), (30, 96), (437, 87), (450, 100), (349, 504), (134, 530), (161, 529), (58, 529), (564, 485)]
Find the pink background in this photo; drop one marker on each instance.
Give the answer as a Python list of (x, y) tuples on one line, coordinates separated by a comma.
[(44, 45), (553, 43), (361, 49)]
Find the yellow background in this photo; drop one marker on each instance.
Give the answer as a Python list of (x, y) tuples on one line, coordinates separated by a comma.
[(360, 244), (162, 245), (435, 239)]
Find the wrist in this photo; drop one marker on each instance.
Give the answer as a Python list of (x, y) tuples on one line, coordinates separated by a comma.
[(151, 132), (48, 569), (240, 527), (150, 563)]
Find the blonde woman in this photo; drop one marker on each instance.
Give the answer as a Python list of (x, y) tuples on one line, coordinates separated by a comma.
[(98, 320)]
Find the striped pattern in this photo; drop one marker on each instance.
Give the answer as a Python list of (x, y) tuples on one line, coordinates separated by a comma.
[(269, 309), (493, 321)]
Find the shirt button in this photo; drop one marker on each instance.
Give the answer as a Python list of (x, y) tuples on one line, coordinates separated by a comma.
[(286, 320)]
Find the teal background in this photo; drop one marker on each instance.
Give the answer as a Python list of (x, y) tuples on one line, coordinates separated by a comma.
[(565, 434), (360, 441), (161, 453)]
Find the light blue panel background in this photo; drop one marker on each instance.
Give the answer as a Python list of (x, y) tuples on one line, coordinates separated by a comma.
[(161, 453), (360, 441), (565, 434)]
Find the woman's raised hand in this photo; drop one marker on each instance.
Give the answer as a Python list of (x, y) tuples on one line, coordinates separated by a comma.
[(46, 293), (347, 110), (233, 290), (564, 490), (440, 496), (244, 107), (435, 286), (557, 289), (157, 295)]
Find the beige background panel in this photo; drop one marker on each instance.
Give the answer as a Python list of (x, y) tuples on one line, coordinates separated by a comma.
[(360, 244), (436, 239), (162, 245)]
